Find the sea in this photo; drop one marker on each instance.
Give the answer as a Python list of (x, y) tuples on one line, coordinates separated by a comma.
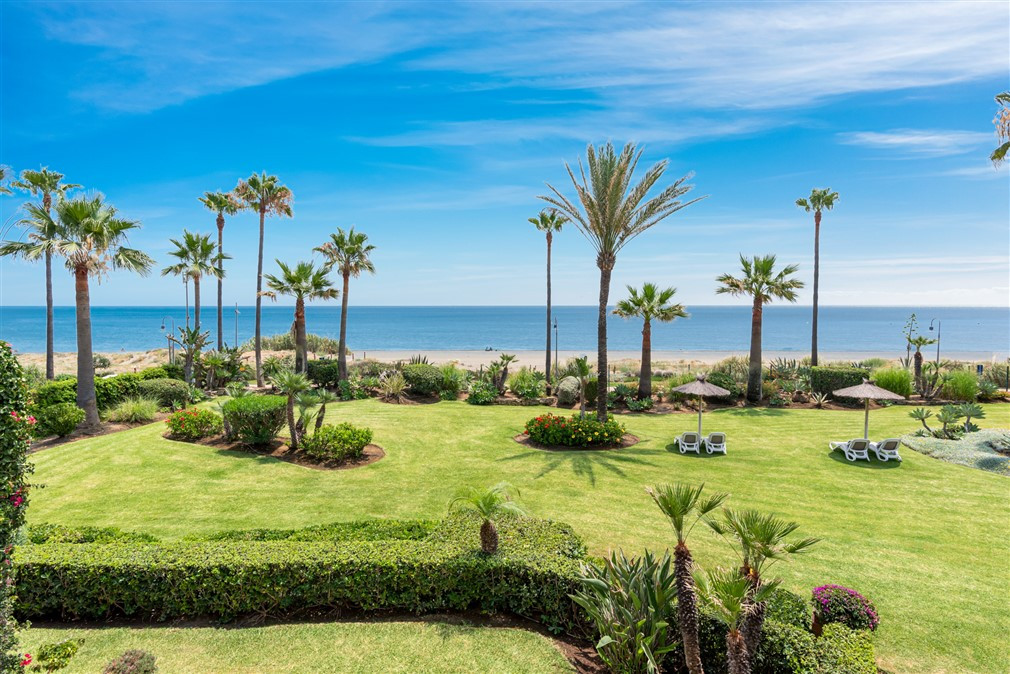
[(979, 332)]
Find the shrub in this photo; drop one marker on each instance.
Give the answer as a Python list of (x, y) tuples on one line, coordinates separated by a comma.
[(726, 381), (54, 656), (339, 443), (362, 530), (324, 372), (174, 371), (988, 391), (135, 410), (422, 379), (567, 391), (55, 392), (171, 393), (39, 534), (60, 419), (527, 384), (592, 390), (110, 391), (825, 378), (960, 385), (639, 405), (555, 430), (352, 389), (133, 661), (101, 362), (840, 649), (392, 386), (453, 382), (194, 424), (256, 420), (156, 372), (481, 393), (895, 379), (837, 604)]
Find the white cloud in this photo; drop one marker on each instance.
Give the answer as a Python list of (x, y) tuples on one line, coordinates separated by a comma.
[(917, 142)]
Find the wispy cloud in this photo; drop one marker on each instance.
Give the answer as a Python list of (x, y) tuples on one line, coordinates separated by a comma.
[(917, 142)]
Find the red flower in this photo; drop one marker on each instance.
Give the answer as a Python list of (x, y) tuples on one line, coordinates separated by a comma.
[(27, 660)]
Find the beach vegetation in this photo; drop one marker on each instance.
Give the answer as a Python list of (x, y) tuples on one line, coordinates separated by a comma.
[(651, 304), (527, 383)]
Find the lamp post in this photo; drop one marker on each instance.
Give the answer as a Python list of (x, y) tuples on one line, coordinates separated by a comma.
[(235, 345), (171, 349), (555, 345), (937, 338)]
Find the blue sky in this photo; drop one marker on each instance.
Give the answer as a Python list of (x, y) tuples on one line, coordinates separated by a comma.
[(433, 128)]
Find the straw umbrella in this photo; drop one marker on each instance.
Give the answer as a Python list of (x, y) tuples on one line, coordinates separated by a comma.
[(701, 388), (867, 392)]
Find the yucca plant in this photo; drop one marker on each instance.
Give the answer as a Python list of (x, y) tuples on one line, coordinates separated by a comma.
[(291, 384), (489, 503), (684, 506), (392, 387), (819, 400), (731, 598)]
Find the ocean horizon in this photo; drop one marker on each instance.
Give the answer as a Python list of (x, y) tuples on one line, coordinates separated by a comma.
[(983, 331)]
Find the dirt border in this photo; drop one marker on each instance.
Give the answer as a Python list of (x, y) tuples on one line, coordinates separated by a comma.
[(627, 440), (107, 428), (280, 451)]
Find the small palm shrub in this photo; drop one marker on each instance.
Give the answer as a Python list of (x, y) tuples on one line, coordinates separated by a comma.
[(489, 503), (171, 393), (555, 430), (481, 393), (631, 605), (961, 385), (837, 604), (194, 424), (255, 420), (133, 661), (134, 410), (392, 386), (337, 443), (60, 419), (423, 379), (527, 384)]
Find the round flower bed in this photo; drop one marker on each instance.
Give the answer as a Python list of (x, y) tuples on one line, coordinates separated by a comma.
[(554, 430), (837, 604)]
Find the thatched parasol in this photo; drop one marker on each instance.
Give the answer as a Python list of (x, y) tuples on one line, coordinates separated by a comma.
[(701, 388), (867, 392)]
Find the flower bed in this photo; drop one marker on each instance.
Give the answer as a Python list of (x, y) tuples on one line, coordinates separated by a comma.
[(554, 430)]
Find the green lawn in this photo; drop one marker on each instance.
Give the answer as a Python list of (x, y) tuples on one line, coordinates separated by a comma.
[(926, 540), (407, 647)]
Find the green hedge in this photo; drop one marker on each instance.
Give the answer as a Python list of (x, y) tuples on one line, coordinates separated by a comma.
[(45, 533), (363, 530), (324, 372), (423, 379), (825, 379), (109, 391), (167, 391), (255, 420)]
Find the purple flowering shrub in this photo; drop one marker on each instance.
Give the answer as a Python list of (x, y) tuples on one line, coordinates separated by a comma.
[(837, 604)]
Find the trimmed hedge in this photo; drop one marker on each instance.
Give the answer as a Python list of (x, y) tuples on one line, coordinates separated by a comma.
[(825, 379), (44, 533), (337, 442), (363, 530), (324, 372), (109, 391), (255, 420), (167, 391)]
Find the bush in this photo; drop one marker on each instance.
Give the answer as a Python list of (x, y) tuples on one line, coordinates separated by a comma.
[(110, 391), (422, 379), (895, 379), (60, 419), (826, 379), (837, 604), (171, 393), (639, 405), (39, 534), (337, 443), (527, 384), (54, 656), (726, 381), (960, 385), (481, 393), (352, 389), (194, 424), (453, 382), (55, 392), (175, 371), (555, 430), (567, 391), (324, 372), (592, 390), (362, 530), (133, 661), (156, 372), (392, 386), (135, 410), (255, 420), (840, 649)]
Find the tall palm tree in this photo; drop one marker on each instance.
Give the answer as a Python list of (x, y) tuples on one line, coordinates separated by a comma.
[(196, 258), (762, 540), (684, 506), (221, 203), (291, 384), (820, 200), (1002, 123), (304, 281), (610, 213), (548, 221), (44, 183), (3, 179), (731, 600), (760, 281), (349, 253), (651, 304), (265, 195), (92, 237), (489, 503)]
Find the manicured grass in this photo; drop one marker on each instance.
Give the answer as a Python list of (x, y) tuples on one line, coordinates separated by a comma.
[(926, 540), (408, 647)]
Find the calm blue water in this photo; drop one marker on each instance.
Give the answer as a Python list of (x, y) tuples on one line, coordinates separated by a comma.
[(786, 328)]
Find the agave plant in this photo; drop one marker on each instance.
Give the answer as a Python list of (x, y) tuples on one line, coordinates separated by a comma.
[(819, 400), (489, 503)]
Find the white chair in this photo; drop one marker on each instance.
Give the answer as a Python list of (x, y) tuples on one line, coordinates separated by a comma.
[(689, 442), (853, 449), (715, 442), (887, 449)]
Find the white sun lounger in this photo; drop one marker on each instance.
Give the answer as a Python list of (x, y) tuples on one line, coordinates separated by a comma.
[(853, 449), (689, 442), (887, 449), (715, 442)]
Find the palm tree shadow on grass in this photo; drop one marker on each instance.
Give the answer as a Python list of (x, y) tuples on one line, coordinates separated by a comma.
[(583, 463), (756, 411), (872, 464), (674, 449)]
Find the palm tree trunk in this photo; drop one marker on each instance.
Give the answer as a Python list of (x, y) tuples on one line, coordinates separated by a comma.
[(606, 265), (750, 626), (301, 343), (220, 282), (292, 428), (754, 372), (736, 653), (50, 366), (645, 374), (817, 276), (320, 416), (488, 537), (547, 362), (259, 302), (687, 608), (185, 285), (196, 302), (86, 399), (917, 359), (342, 347)]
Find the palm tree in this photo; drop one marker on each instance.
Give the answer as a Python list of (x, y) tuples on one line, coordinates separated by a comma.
[(760, 281), (291, 384), (44, 183), (684, 507), (91, 236), (819, 200), (1002, 123), (192, 341), (581, 371), (196, 258), (324, 396), (548, 221), (221, 203), (918, 341), (729, 596), (489, 504), (651, 304), (612, 213), (762, 541), (3, 177), (349, 253), (303, 282), (265, 195)]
